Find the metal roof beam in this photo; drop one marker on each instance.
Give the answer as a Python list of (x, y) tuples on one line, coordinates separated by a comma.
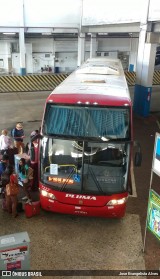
[(111, 28)]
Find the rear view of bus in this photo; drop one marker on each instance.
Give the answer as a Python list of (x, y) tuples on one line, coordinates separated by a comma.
[(86, 145)]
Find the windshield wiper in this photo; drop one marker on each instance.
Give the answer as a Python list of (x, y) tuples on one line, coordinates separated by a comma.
[(95, 180), (66, 181)]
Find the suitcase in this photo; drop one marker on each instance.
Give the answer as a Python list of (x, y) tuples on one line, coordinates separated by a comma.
[(32, 209)]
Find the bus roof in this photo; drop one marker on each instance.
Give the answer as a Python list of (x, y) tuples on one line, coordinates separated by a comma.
[(96, 77)]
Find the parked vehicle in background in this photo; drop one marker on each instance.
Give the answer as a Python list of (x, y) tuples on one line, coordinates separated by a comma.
[(86, 144)]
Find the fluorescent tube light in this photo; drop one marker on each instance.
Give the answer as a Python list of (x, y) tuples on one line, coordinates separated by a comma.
[(47, 33), (9, 33)]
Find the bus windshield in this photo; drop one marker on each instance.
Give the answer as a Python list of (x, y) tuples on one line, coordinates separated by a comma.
[(86, 167), (102, 123)]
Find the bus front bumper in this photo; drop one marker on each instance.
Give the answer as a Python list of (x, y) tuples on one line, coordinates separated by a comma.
[(117, 211)]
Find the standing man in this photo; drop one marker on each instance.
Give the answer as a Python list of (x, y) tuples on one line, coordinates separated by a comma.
[(33, 153), (18, 136)]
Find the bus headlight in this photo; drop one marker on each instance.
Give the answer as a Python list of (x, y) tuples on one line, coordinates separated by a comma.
[(117, 202), (47, 195)]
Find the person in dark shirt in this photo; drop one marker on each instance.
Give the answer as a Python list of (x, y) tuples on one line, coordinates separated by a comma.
[(4, 163), (32, 148), (33, 152), (18, 136)]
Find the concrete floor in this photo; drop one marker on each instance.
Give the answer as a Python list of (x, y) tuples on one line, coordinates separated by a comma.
[(64, 242), (73, 243)]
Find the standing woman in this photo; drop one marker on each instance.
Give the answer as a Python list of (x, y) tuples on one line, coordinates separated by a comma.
[(23, 173), (12, 197)]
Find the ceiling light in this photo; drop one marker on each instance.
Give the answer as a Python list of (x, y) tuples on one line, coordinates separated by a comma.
[(47, 33), (9, 33), (104, 33)]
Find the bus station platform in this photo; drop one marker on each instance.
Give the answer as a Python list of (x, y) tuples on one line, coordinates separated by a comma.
[(65, 242)]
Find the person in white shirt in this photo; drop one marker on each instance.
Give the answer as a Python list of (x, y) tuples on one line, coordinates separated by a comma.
[(5, 141)]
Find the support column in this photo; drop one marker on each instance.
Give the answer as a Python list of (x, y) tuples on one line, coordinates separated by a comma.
[(133, 54), (22, 52), (144, 68), (144, 77), (22, 43), (93, 46), (81, 49)]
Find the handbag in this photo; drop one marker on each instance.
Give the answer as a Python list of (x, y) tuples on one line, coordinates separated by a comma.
[(12, 189)]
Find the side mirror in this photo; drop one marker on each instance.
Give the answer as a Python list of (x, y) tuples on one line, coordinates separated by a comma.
[(138, 155), (138, 159)]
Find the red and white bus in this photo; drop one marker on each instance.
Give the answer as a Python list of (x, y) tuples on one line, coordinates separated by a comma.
[(86, 145)]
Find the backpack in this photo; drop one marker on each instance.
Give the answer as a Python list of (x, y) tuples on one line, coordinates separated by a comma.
[(12, 189), (12, 132)]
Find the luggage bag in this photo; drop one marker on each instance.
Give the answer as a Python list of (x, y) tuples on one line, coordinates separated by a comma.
[(32, 209)]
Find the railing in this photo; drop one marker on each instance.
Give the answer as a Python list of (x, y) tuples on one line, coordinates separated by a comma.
[(47, 82)]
